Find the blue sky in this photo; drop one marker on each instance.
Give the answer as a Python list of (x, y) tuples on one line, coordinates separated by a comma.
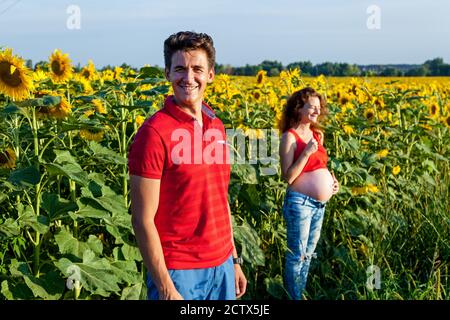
[(245, 31)]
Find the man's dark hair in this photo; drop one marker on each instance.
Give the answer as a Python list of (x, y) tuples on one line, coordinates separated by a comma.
[(187, 41)]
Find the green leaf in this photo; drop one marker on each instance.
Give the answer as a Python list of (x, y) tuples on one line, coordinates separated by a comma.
[(55, 206), (151, 72), (109, 200), (43, 101), (88, 208), (9, 228), (47, 286), (426, 177), (135, 292), (94, 274), (10, 109), (18, 291), (105, 154), (249, 241), (159, 90), (246, 173), (131, 253), (71, 171), (51, 100), (25, 176), (126, 272), (430, 166), (67, 244), (27, 217), (64, 156), (275, 288)]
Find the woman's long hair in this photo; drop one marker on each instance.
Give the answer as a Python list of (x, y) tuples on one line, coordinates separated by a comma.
[(291, 112)]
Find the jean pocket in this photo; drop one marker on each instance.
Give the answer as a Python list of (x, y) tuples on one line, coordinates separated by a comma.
[(295, 203)]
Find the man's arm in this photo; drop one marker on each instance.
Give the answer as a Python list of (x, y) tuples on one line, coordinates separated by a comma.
[(144, 204)]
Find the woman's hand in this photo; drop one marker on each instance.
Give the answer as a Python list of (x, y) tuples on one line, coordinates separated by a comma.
[(335, 184), (311, 147)]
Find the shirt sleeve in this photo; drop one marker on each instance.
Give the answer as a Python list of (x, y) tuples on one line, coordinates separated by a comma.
[(147, 154)]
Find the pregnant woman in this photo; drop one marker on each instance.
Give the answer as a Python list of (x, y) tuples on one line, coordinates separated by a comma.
[(310, 184)]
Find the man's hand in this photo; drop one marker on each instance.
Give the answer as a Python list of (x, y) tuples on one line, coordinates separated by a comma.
[(170, 295), (240, 281)]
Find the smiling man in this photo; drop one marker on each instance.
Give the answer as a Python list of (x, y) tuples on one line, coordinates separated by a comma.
[(180, 210)]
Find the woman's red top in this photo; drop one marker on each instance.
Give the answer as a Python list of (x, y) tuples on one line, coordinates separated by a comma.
[(315, 161)]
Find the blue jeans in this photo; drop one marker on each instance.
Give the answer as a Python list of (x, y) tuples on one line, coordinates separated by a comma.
[(215, 283), (304, 217)]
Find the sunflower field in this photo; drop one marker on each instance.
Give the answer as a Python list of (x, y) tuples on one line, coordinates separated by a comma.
[(65, 227)]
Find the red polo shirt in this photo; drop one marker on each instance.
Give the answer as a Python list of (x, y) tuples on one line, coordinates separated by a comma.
[(192, 219)]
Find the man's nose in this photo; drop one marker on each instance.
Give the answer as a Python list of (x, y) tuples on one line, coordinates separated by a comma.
[(189, 75)]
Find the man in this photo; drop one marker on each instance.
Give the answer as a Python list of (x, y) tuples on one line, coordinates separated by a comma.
[(179, 187)]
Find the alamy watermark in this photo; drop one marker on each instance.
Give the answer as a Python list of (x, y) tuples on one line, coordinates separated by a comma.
[(373, 277), (73, 21), (237, 147), (374, 20), (73, 281)]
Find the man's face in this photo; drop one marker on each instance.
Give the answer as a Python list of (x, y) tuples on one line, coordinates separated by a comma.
[(189, 75)]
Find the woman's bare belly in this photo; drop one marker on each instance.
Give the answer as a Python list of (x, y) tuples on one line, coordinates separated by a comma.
[(317, 184)]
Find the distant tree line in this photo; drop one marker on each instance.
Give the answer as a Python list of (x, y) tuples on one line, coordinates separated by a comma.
[(435, 67)]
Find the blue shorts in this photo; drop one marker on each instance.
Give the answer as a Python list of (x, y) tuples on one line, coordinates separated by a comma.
[(216, 283)]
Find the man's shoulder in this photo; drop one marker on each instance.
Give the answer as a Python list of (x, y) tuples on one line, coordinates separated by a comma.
[(160, 121)]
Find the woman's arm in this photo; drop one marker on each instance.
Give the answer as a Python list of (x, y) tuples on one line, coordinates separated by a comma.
[(290, 169)]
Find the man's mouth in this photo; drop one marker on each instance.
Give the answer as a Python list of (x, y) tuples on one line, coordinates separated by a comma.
[(189, 88)]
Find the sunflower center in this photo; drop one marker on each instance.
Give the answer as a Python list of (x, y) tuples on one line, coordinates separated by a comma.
[(433, 109), (12, 80), (448, 121), (3, 158), (86, 73), (57, 68), (260, 79)]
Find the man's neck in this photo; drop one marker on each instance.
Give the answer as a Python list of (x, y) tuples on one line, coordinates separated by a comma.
[(194, 111)]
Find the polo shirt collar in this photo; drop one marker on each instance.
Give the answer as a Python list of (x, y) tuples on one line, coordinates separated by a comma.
[(171, 106)]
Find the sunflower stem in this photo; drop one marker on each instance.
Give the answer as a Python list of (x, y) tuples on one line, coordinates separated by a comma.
[(123, 152), (73, 190), (37, 242)]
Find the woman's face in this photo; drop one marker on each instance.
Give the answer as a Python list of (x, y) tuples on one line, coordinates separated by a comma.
[(310, 111)]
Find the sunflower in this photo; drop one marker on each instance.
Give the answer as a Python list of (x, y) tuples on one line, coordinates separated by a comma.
[(99, 106), (107, 75), (344, 99), (118, 73), (8, 159), (61, 110), (257, 95), (348, 129), (383, 153), (88, 72), (369, 114), (92, 134), (447, 121), (44, 111), (39, 75), (15, 78), (261, 77), (60, 66), (396, 170), (140, 120), (87, 88), (434, 109)]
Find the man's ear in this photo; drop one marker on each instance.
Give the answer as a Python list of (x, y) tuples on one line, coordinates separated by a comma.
[(211, 74), (166, 73)]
